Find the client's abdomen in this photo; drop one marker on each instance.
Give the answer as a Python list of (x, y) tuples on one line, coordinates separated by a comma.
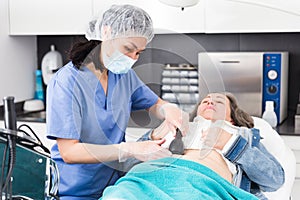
[(211, 159)]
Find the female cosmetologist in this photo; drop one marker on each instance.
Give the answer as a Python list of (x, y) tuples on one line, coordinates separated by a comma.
[(90, 99)]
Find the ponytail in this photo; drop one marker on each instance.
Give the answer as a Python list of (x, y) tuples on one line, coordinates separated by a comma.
[(84, 52)]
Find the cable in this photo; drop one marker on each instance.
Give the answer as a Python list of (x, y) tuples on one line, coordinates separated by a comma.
[(108, 182), (30, 144), (19, 128), (10, 122), (53, 180), (10, 189), (11, 160), (54, 196), (41, 145), (2, 169), (52, 193)]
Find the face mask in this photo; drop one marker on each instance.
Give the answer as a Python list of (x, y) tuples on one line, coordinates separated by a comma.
[(118, 63)]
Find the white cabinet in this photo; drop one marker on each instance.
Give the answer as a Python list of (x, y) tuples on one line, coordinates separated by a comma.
[(294, 143), (166, 19), (65, 17), (241, 16), (49, 17)]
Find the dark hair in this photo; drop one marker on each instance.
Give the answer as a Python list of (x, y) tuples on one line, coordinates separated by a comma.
[(238, 116), (83, 52)]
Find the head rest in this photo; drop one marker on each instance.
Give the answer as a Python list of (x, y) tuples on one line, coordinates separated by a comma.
[(276, 146)]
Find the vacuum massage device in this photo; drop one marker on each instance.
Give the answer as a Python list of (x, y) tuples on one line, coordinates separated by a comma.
[(27, 171)]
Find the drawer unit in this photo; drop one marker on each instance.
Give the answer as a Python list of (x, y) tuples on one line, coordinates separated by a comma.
[(180, 85)]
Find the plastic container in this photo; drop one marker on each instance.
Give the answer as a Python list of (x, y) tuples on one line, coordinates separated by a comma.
[(269, 114), (51, 62), (39, 91)]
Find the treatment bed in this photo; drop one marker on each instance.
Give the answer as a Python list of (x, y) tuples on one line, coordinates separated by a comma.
[(173, 178)]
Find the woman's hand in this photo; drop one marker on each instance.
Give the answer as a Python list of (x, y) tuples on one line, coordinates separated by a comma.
[(175, 118), (161, 131), (146, 150)]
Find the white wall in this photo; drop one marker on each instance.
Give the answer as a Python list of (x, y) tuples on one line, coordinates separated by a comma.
[(18, 58)]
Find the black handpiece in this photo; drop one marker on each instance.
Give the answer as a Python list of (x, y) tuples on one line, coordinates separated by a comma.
[(176, 146), (10, 113)]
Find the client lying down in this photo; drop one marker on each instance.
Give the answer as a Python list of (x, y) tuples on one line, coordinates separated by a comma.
[(222, 151)]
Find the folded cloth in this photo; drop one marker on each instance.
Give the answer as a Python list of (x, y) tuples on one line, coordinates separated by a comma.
[(173, 178), (193, 139)]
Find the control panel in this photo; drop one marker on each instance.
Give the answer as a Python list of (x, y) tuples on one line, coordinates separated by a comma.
[(271, 81)]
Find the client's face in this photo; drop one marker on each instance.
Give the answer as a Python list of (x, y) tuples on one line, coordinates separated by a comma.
[(215, 106)]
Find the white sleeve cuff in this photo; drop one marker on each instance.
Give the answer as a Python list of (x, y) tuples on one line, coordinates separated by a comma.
[(229, 144)]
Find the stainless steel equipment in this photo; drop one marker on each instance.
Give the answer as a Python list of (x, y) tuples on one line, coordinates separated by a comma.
[(253, 77)]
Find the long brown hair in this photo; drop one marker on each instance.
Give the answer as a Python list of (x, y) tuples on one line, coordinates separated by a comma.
[(238, 116)]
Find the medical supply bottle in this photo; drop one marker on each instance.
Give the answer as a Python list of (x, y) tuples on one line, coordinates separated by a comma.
[(269, 114), (39, 92)]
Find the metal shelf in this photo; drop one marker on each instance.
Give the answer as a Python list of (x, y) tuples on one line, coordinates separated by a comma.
[(180, 85)]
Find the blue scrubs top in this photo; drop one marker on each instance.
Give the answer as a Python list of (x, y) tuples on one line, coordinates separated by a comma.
[(77, 108)]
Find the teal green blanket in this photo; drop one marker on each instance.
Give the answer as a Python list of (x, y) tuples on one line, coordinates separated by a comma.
[(171, 178)]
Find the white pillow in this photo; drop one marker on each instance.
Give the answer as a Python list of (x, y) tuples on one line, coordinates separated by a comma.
[(276, 146)]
